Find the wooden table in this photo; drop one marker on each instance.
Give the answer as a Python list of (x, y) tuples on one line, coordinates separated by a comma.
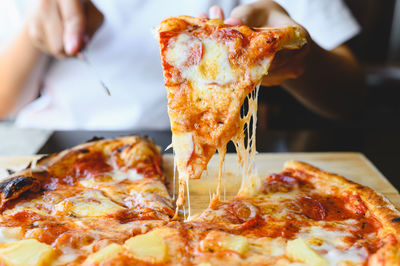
[(354, 166)]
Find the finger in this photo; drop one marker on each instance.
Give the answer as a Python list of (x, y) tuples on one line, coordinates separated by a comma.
[(216, 12), (233, 21), (74, 21), (203, 15), (243, 13), (53, 30)]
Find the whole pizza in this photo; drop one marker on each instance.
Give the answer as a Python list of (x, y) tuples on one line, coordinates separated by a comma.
[(106, 202)]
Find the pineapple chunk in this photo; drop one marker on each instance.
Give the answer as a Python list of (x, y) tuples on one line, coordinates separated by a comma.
[(236, 243), (10, 234), (88, 204), (26, 252), (36, 206), (298, 250), (149, 247), (107, 253), (222, 241)]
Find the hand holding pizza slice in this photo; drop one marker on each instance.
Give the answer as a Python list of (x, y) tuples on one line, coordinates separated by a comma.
[(209, 70)]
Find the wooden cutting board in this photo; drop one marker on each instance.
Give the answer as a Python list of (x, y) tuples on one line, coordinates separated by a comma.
[(354, 166)]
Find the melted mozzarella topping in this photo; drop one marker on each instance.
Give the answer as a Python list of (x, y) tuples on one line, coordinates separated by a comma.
[(268, 246), (261, 69), (181, 50), (36, 205), (90, 203), (131, 175), (183, 148), (115, 176), (212, 71), (331, 244)]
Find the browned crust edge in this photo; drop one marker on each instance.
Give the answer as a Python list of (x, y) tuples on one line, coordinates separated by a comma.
[(41, 165), (291, 37), (377, 204), (53, 158)]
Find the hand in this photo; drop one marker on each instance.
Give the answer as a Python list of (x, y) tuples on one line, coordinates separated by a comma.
[(287, 64), (62, 27)]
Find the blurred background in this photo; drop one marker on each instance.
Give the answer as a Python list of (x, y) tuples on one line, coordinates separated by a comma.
[(378, 49), (284, 125), (377, 132)]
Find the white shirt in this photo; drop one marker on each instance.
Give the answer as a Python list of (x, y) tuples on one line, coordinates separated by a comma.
[(125, 55)]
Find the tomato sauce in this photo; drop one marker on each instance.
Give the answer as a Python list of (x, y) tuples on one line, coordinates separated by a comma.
[(90, 165)]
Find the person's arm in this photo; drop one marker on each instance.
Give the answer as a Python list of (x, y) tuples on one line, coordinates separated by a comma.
[(58, 28), (330, 83), (17, 62)]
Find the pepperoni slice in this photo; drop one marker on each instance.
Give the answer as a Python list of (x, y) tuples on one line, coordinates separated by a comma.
[(195, 54), (235, 215), (356, 205), (312, 208), (279, 183), (91, 164)]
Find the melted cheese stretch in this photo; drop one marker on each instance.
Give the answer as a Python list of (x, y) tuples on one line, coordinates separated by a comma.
[(246, 150)]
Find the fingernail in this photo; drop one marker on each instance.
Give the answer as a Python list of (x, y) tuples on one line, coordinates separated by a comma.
[(215, 12), (71, 44)]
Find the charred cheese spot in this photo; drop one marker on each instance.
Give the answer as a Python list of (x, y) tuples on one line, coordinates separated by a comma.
[(13, 187), (396, 220)]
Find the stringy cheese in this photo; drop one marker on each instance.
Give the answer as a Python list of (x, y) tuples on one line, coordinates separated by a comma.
[(246, 150)]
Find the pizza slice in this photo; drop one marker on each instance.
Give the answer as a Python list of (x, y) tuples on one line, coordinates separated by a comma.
[(84, 198), (209, 70), (301, 215)]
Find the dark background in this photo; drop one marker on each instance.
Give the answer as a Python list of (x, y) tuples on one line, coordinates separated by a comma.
[(372, 47)]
